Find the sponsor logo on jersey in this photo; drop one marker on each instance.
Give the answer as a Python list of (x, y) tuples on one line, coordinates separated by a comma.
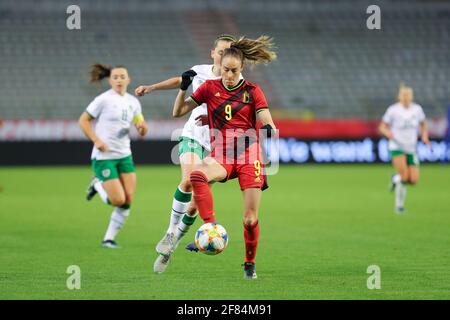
[(217, 94), (106, 173)]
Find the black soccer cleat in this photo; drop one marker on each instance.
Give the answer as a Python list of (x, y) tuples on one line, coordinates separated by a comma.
[(110, 244), (91, 192), (250, 271), (400, 210), (191, 247)]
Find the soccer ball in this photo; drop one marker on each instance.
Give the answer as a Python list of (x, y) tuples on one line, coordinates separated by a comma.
[(211, 238)]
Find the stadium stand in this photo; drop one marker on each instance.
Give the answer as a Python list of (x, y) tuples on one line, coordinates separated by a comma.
[(330, 65)]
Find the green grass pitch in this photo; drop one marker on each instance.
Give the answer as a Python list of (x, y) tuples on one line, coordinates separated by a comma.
[(321, 227)]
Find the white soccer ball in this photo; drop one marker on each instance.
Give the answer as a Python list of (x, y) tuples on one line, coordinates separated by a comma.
[(211, 238)]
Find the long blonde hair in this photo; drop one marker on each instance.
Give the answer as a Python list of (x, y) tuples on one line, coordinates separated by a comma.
[(254, 51)]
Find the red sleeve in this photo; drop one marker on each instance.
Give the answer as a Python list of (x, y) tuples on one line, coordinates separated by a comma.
[(200, 95), (259, 98)]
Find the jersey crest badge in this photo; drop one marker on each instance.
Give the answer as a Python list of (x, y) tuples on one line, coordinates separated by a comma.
[(257, 179), (106, 173), (245, 97)]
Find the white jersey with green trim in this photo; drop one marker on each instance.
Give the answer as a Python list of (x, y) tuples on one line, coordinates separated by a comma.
[(404, 125), (191, 130), (114, 115)]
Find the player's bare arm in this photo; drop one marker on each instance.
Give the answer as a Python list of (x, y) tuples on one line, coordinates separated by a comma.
[(85, 125), (385, 131), (183, 106), (265, 117), (172, 83), (424, 132)]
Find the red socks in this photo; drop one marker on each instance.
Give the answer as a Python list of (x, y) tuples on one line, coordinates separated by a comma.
[(251, 235), (202, 196), (203, 199)]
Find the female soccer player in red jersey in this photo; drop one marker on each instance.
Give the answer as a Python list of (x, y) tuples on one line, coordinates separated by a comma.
[(234, 105)]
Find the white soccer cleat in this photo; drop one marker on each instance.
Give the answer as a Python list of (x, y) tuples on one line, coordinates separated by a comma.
[(161, 263), (167, 244)]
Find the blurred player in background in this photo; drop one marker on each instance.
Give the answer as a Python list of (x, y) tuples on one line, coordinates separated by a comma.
[(232, 103), (114, 111), (194, 145), (447, 136), (400, 124)]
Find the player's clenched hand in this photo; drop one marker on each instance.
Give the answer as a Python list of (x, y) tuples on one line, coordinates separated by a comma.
[(142, 90), (201, 120), (142, 127), (426, 140), (186, 79), (100, 145)]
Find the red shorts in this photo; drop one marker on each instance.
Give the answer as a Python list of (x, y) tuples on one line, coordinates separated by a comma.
[(249, 170)]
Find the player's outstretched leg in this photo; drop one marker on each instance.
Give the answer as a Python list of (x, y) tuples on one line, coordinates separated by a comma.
[(204, 200), (162, 261), (210, 170), (180, 204)]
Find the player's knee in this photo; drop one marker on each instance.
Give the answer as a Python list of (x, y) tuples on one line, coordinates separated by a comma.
[(413, 180), (250, 217), (186, 185), (404, 176), (117, 201)]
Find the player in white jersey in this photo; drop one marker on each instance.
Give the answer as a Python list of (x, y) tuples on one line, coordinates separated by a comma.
[(194, 145), (114, 112), (401, 124)]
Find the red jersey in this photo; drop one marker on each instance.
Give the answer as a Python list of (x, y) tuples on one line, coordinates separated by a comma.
[(230, 109)]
